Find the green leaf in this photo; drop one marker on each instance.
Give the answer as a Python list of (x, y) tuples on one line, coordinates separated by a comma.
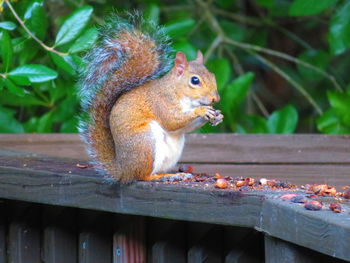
[(152, 13), (7, 98), (330, 123), (252, 124), (36, 19), (186, 47), (340, 102), (283, 121), (179, 27), (65, 63), (45, 123), (221, 69), (309, 7), (20, 80), (233, 95), (339, 36), (8, 123), (318, 58), (6, 49), (73, 25), (70, 126), (85, 41), (13, 88), (35, 73), (233, 30), (8, 25)]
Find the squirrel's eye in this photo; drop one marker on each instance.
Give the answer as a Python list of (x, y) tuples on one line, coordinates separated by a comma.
[(195, 80)]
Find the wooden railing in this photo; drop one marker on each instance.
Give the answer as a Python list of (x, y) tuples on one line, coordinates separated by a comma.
[(203, 221)]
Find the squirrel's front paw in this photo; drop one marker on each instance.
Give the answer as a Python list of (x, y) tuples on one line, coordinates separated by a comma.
[(213, 116), (218, 118)]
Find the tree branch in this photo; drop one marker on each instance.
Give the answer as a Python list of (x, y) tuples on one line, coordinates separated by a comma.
[(51, 49)]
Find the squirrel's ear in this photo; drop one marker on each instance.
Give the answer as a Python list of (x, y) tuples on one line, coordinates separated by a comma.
[(181, 63), (199, 58)]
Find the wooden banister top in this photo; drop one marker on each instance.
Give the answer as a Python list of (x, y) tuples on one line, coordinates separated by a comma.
[(210, 148), (52, 180)]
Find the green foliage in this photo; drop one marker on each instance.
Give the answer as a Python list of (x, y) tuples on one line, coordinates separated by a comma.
[(38, 72)]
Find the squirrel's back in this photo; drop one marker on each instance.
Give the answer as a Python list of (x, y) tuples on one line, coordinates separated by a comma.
[(131, 52)]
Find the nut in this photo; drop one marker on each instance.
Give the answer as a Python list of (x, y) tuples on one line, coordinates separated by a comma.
[(288, 196), (335, 207), (221, 183), (313, 205), (185, 168), (346, 194)]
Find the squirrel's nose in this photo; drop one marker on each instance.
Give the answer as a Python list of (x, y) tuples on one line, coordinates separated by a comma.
[(216, 97)]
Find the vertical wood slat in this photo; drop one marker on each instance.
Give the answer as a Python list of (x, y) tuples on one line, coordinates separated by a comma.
[(167, 241), (279, 251), (95, 237), (24, 233), (59, 237), (207, 247), (243, 245), (129, 244), (2, 232)]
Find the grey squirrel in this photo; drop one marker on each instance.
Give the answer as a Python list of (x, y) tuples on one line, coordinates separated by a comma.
[(140, 107)]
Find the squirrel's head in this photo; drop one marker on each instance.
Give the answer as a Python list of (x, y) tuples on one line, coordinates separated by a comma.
[(200, 84)]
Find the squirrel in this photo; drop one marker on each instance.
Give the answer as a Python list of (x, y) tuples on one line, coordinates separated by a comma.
[(139, 107)]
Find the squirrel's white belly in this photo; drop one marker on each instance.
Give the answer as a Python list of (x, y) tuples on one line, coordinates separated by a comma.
[(167, 150)]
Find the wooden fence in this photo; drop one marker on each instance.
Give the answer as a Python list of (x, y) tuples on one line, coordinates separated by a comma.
[(54, 211)]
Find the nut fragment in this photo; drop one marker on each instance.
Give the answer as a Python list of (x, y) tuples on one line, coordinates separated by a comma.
[(185, 168), (263, 181), (298, 199), (335, 207), (288, 196), (82, 166), (313, 205), (240, 183), (221, 183), (346, 194)]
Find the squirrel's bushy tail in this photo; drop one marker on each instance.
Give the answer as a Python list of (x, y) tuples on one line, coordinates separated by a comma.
[(131, 51)]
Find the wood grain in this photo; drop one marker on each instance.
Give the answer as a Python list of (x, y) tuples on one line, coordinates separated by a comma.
[(59, 236), (2, 233), (95, 238), (209, 148), (24, 234), (323, 231)]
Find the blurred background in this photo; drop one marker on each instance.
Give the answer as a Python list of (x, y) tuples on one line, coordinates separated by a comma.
[(281, 65)]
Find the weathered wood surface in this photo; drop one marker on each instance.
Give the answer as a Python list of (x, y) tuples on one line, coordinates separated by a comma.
[(59, 237), (298, 159), (210, 148), (59, 182)]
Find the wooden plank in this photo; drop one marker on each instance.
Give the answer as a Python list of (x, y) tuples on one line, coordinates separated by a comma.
[(209, 148), (95, 237), (318, 230), (3, 214), (24, 233), (209, 248), (322, 231), (279, 251), (59, 237), (168, 241), (243, 246), (129, 243), (335, 175)]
